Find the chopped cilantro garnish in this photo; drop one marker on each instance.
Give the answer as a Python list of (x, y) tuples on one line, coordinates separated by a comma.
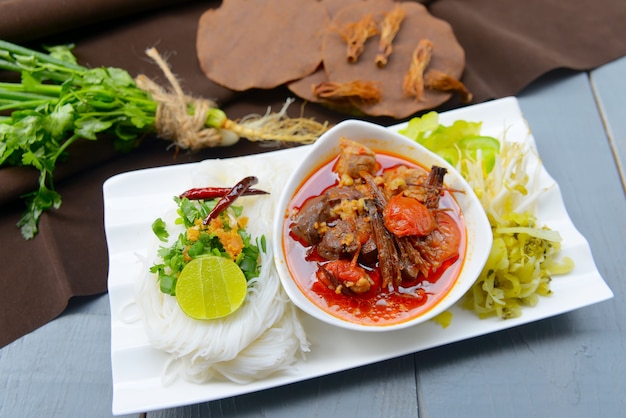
[(224, 237)]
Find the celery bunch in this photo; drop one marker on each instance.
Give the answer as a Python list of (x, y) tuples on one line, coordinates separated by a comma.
[(58, 101)]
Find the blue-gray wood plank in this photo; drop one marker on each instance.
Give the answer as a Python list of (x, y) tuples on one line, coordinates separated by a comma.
[(609, 84), (62, 369), (571, 365)]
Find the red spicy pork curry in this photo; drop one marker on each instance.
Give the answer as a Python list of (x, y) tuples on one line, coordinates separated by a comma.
[(373, 238)]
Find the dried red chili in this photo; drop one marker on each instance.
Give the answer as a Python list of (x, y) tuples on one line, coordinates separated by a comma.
[(237, 190), (206, 193)]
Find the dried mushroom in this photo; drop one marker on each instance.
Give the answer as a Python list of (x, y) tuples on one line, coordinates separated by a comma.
[(447, 56), (413, 84), (388, 30), (438, 80), (359, 91), (355, 34)]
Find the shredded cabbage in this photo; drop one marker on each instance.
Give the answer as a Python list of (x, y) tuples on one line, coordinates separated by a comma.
[(524, 256)]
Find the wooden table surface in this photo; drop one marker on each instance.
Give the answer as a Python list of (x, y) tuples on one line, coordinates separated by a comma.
[(571, 365)]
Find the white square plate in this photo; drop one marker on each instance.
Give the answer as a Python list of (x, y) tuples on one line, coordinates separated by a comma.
[(133, 200)]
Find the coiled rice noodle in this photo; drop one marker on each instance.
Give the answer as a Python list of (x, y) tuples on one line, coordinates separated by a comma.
[(262, 337)]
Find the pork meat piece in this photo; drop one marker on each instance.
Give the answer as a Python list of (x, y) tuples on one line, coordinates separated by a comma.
[(339, 240), (307, 221), (354, 158)]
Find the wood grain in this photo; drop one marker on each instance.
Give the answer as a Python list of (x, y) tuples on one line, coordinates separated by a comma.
[(609, 86)]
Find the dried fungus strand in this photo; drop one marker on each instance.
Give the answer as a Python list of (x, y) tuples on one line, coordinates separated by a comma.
[(355, 34), (413, 84), (440, 81), (418, 24), (389, 29), (352, 91)]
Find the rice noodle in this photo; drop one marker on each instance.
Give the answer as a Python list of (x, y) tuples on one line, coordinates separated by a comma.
[(262, 337)]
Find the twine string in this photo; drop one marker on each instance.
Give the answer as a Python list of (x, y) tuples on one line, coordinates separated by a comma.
[(173, 119)]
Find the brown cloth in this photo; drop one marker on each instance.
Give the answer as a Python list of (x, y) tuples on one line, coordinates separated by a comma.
[(508, 44), (24, 20)]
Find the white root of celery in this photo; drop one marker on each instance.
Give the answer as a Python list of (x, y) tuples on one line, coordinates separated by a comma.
[(276, 127)]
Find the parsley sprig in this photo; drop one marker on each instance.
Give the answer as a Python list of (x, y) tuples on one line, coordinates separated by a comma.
[(56, 102)]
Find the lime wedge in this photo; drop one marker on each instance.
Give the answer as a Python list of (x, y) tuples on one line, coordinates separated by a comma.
[(210, 288)]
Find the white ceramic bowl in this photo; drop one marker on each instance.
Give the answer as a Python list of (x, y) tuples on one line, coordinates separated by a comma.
[(378, 138)]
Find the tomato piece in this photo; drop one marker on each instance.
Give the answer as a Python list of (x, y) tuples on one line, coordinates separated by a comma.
[(446, 239), (345, 271), (347, 274), (408, 216)]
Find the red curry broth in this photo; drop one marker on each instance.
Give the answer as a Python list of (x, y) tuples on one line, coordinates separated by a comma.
[(377, 306)]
